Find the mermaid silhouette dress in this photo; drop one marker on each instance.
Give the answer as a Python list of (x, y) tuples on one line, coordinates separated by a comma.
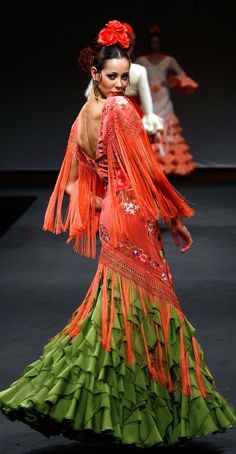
[(127, 364)]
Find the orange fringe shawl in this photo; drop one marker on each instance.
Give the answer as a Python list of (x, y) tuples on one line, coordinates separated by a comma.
[(81, 219), (128, 149)]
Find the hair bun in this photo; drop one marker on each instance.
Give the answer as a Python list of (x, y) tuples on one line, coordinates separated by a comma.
[(85, 58)]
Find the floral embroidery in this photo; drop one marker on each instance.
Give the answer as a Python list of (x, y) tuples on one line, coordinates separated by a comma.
[(130, 207), (121, 182), (116, 261), (161, 252), (156, 88), (151, 227), (104, 235), (120, 100), (129, 249)]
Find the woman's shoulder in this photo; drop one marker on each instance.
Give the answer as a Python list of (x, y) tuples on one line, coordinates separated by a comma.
[(117, 103), (120, 111)]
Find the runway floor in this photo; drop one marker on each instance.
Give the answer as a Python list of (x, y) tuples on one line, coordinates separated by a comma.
[(43, 281)]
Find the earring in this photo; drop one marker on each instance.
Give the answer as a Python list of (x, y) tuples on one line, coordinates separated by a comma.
[(96, 89)]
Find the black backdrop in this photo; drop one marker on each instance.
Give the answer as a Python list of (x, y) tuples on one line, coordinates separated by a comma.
[(42, 86)]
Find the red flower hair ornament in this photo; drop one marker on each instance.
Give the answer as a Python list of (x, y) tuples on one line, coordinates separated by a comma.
[(130, 31), (114, 32)]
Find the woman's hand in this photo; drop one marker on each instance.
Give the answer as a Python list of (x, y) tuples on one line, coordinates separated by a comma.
[(180, 234), (97, 201)]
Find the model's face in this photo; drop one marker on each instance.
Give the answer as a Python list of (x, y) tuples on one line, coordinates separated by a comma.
[(114, 77), (155, 43)]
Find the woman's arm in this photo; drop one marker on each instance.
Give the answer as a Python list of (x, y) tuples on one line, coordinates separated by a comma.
[(144, 91), (175, 67), (152, 122), (180, 81)]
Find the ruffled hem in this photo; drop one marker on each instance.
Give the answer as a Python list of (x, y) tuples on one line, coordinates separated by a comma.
[(77, 386), (171, 149)]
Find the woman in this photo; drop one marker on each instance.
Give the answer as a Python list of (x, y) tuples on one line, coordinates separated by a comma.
[(165, 73), (127, 364), (138, 91)]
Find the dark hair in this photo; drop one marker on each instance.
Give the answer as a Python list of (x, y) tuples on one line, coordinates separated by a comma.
[(98, 55), (155, 30)]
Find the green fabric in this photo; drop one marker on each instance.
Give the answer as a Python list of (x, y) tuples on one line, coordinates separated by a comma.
[(76, 385)]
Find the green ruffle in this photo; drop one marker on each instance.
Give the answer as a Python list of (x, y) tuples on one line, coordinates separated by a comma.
[(76, 385)]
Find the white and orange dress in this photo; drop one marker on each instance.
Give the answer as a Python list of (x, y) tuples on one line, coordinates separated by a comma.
[(171, 148)]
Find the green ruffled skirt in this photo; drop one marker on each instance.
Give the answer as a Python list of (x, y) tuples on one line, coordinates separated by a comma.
[(77, 385)]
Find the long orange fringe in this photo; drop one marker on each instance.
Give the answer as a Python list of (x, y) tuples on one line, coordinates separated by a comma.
[(128, 149), (80, 219), (157, 356)]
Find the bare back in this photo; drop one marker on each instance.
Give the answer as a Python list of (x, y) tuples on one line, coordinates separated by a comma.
[(89, 121)]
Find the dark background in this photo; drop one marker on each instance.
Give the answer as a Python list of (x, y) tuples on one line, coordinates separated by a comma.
[(42, 85)]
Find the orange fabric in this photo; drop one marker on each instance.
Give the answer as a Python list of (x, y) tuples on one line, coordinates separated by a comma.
[(73, 326), (129, 150), (112, 314), (184, 364), (182, 83), (165, 311), (104, 313), (124, 289), (198, 367), (80, 219), (53, 220), (171, 149), (136, 194), (136, 104), (161, 376), (157, 356), (148, 356)]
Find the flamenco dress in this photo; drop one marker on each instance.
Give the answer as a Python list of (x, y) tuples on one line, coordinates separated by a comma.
[(171, 148), (127, 365)]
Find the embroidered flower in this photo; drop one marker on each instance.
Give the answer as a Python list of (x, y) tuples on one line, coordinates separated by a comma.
[(151, 227), (143, 257), (154, 264), (120, 100), (155, 88), (104, 235), (130, 207), (120, 179)]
